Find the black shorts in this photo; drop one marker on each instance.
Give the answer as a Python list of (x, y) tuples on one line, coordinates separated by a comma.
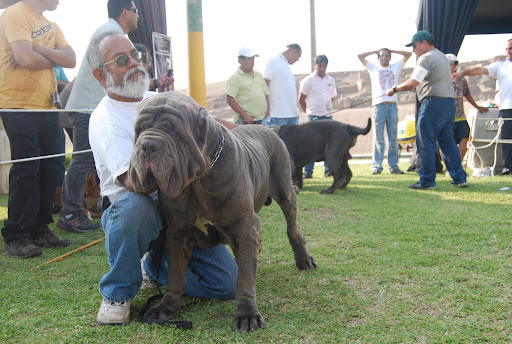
[(460, 131)]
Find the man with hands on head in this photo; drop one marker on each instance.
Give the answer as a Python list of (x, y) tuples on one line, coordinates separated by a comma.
[(432, 80), (385, 110)]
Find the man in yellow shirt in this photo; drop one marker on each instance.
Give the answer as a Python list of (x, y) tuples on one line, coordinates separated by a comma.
[(247, 92), (30, 47)]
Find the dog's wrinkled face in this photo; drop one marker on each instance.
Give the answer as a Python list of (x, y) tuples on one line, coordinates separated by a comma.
[(170, 134)]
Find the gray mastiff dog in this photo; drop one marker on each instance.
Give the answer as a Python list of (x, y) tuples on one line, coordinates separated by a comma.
[(211, 184)]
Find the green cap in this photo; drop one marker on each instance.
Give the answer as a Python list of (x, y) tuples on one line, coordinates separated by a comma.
[(420, 36)]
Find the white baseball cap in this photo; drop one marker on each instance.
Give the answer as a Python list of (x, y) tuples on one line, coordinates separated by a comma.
[(451, 57), (247, 52)]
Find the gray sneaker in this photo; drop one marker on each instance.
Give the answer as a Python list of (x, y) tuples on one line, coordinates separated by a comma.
[(44, 237), (459, 185), (113, 313), (76, 223), (22, 248)]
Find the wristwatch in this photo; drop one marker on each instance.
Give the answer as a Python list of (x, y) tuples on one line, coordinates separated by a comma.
[(155, 83), (394, 89)]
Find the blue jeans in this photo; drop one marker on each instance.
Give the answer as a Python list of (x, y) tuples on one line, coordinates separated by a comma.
[(385, 115), (130, 224), (74, 182), (435, 124), (506, 134), (32, 184), (309, 167), (281, 121)]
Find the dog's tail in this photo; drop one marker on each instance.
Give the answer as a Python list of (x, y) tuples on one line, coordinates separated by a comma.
[(361, 131)]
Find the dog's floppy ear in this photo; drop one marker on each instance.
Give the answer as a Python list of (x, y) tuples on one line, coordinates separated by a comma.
[(187, 145)]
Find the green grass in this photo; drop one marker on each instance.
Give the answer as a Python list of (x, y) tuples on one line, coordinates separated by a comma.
[(394, 266)]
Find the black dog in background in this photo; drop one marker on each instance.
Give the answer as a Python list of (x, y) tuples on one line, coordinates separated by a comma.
[(328, 141)]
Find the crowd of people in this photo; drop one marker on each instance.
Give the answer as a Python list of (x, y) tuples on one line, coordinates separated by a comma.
[(113, 80)]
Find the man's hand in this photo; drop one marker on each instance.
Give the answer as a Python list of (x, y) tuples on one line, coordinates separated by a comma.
[(14, 64), (390, 92), (482, 109), (165, 81)]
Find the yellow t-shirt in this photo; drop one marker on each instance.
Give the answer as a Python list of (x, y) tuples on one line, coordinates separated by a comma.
[(23, 88)]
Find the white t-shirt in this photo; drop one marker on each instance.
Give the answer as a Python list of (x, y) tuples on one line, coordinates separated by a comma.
[(282, 88), (503, 71), (319, 93), (111, 135), (383, 78)]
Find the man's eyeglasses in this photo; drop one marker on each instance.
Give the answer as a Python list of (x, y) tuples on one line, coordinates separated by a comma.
[(134, 10), (122, 60), (454, 62)]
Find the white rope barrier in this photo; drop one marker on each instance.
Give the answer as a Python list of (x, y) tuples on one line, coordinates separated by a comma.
[(494, 142), (43, 157)]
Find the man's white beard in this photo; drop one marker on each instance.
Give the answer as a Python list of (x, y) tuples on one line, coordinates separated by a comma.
[(132, 89)]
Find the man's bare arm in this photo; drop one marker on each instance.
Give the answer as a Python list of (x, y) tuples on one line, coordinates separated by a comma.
[(227, 124), (124, 180), (407, 85), (26, 55), (64, 57), (472, 71), (362, 57), (406, 54), (302, 101), (238, 109)]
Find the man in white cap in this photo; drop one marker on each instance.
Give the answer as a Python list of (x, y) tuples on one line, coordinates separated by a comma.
[(247, 92), (460, 126)]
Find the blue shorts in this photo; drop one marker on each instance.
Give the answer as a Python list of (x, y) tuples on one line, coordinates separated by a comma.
[(460, 131)]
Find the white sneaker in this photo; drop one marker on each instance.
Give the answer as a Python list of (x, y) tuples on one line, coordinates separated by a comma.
[(113, 313), (147, 283)]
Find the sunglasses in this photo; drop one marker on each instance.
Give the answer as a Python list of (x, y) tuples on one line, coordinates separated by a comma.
[(122, 60), (134, 10), (454, 62)]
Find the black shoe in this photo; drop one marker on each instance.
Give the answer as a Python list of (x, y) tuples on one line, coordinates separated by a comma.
[(396, 171), (505, 172), (459, 185), (56, 208), (307, 176), (44, 237), (22, 248), (418, 186), (76, 223), (327, 174)]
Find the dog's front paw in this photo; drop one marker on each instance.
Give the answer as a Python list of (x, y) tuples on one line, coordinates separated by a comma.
[(247, 316), (248, 323), (164, 311), (306, 263)]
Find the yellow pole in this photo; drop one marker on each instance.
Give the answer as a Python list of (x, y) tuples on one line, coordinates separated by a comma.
[(196, 74)]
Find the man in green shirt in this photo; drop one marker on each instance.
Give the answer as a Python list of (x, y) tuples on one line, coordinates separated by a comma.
[(247, 92)]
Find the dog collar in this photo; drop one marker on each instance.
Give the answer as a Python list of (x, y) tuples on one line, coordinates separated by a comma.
[(215, 157), (217, 154)]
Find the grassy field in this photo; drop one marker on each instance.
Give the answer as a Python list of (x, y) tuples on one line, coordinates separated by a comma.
[(394, 266)]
